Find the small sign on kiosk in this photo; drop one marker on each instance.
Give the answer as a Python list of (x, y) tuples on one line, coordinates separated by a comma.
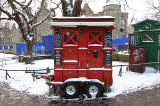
[(137, 58)]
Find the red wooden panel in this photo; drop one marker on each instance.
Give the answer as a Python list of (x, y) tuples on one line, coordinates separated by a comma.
[(58, 76), (137, 56), (95, 62), (83, 58), (69, 54), (70, 66), (70, 74), (108, 66), (108, 78), (83, 73), (96, 74), (83, 38), (58, 66)]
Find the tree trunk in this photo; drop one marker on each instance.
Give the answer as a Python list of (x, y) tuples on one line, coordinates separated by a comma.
[(29, 57), (77, 8), (64, 8), (30, 48)]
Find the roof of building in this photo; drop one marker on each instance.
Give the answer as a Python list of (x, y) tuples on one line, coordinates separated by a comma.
[(143, 21), (83, 17), (82, 21)]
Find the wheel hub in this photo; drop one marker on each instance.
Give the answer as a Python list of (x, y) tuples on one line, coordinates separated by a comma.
[(70, 90), (93, 90)]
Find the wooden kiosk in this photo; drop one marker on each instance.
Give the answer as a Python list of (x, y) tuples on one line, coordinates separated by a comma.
[(83, 55)]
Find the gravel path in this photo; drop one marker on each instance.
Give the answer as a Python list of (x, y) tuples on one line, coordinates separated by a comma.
[(10, 97)]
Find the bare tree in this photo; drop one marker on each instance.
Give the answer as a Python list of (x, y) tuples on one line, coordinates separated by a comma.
[(154, 6), (21, 12)]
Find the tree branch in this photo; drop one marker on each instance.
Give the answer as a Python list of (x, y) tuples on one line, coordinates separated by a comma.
[(12, 4), (18, 3), (38, 11), (153, 6), (128, 5), (29, 3), (4, 19), (10, 16), (45, 18)]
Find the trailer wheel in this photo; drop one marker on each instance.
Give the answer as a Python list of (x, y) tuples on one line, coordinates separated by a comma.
[(94, 90), (70, 90)]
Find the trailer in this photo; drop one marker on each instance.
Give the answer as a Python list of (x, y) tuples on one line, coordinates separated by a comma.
[(82, 55)]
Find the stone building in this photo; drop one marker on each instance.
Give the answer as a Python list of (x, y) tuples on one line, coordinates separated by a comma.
[(87, 9), (121, 18), (9, 34), (44, 28)]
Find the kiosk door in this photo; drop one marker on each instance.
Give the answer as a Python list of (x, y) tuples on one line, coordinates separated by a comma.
[(95, 49)]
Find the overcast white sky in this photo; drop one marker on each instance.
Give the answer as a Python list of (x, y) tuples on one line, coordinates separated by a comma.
[(139, 8)]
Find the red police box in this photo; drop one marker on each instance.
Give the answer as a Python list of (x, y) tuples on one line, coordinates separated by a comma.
[(83, 48), (137, 57)]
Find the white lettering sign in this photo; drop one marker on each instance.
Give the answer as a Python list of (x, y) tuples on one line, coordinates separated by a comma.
[(137, 54)]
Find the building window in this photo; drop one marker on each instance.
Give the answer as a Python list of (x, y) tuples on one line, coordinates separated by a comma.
[(159, 39), (95, 37), (147, 38), (70, 37)]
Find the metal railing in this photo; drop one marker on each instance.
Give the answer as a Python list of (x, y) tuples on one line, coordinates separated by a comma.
[(142, 64), (39, 71)]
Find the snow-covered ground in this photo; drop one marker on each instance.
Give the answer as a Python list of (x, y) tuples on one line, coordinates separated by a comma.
[(23, 81), (129, 82)]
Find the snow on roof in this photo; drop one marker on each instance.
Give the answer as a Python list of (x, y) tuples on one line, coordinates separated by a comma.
[(139, 22), (74, 24), (83, 17)]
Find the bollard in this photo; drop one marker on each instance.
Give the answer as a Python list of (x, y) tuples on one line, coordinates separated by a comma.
[(120, 72), (48, 70)]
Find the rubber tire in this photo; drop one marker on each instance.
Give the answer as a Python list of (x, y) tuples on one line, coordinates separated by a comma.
[(68, 96), (100, 89)]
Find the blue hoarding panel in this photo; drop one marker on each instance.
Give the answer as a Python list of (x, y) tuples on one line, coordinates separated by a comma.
[(21, 48), (11, 47), (121, 41), (46, 47), (39, 49), (5, 46), (1, 47), (48, 42)]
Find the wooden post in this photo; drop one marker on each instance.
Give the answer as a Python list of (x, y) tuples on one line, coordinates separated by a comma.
[(6, 74), (33, 75), (120, 72)]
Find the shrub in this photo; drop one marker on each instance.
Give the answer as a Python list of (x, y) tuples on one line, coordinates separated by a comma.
[(120, 57)]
